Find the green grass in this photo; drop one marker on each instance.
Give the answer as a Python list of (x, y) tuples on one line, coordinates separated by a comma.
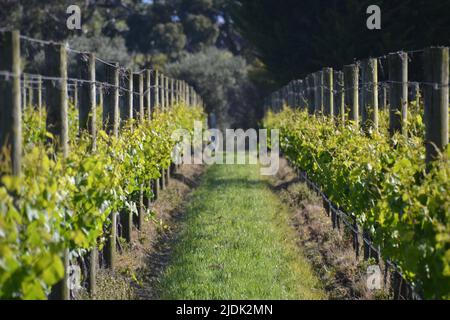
[(237, 243)]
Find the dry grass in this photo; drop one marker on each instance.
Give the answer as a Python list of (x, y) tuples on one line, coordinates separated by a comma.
[(140, 262), (330, 251)]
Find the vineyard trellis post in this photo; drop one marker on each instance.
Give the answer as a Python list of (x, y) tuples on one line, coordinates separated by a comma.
[(141, 98), (126, 214), (148, 94), (87, 121), (163, 107), (24, 91), (170, 103), (111, 112), (172, 91), (310, 93), (340, 97), (57, 125), (162, 88), (39, 95), (188, 95), (141, 119), (75, 95), (351, 79), (87, 108), (100, 96), (318, 90), (166, 93), (370, 94), (384, 96), (398, 79), (11, 119), (328, 92), (156, 91), (436, 99), (30, 94), (129, 95), (111, 123)]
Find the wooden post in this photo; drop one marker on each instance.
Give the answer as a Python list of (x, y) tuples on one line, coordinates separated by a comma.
[(57, 124), (141, 208), (295, 95), (126, 214), (298, 94), (136, 96), (75, 95), (100, 96), (163, 179), (416, 93), (165, 107), (31, 95), (138, 102), (318, 92), (111, 112), (93, 265), (384, 96), (172, 92), (302, 103), (39, 96), (162, 92), (398, 78), (88, 104), (328, 91), (24, 91), (436, 99), (311, 93), (157, 96), (148, 94), (128, 115), (87, 121), (370, 92), (141, 98), (351, 79), (339, 107), (111, 123), (188, 95), (110, 246), (166, 90), (10, 104), (177, 98)]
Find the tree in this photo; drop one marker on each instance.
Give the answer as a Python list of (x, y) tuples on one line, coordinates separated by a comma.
[(222, 80), (296, 37)]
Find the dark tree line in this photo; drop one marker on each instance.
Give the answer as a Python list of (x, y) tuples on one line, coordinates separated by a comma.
[(277, 40), (296, 37)]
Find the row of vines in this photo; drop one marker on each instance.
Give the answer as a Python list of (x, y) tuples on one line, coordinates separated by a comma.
[(62, 202), (391, 173), (70, 169), (384, 184)]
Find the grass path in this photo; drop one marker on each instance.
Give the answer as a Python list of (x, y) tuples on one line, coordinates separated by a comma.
[(236, 243)]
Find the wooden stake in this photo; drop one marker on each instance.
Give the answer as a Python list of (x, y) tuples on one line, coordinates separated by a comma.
[(148, 95), (157, 97), (111, 112), (351, 79), (436, 99), (110, 246), (328, 91), (88, 104), (10, 104), (57, 124), (398, 77), (370, 93)]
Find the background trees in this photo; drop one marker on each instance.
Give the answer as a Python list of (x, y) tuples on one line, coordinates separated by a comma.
[(278, 40), (294, 37)]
